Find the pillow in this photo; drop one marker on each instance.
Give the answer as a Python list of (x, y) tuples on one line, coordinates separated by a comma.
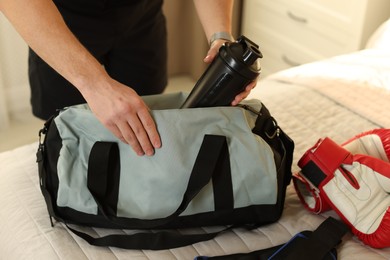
[(380, 39)]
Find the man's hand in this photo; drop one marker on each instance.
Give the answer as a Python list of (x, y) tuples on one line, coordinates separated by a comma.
[(125, 114), (211, 54)]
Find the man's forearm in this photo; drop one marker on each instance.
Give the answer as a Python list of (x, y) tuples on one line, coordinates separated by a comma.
[(215, 15), (41, 25)]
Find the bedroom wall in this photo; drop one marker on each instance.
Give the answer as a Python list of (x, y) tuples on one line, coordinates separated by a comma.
[(14, 90), (4, 119), (187, 43)]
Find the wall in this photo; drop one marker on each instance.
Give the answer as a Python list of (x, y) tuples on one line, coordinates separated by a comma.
[(14, 90), (187, 43), (4, 118)]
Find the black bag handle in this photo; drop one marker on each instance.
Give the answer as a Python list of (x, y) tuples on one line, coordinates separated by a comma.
[(213, 155), (104, 176)]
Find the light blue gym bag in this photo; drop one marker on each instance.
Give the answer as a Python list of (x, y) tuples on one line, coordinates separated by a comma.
[(218, 166)]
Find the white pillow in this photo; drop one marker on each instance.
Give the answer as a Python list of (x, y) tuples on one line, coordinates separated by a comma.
[(380, 39)]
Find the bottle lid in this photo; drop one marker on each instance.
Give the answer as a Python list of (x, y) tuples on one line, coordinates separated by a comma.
[(242, 56)]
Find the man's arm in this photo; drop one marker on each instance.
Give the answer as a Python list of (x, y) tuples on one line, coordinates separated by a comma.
[(117, 106), (216, 16)]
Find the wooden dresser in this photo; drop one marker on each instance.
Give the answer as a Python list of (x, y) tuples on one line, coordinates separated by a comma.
[(293, 32)]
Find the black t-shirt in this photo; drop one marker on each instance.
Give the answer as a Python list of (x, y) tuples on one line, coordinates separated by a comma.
[(94, 6), (127, 36), (100, 20)]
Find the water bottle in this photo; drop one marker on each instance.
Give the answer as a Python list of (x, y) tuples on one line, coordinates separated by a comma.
[(235, 66)]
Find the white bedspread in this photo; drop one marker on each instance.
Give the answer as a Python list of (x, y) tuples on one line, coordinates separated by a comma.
[(337, 98)]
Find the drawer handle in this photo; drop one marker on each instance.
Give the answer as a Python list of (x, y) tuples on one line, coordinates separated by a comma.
[(296, 17), (290, 62)]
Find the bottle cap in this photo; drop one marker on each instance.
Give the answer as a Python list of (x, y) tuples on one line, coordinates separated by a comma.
[(242, 56)]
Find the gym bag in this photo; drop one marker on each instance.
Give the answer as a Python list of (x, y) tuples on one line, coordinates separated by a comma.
[(218, 166)]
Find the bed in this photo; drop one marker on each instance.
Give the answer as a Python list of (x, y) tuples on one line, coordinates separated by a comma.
[(338, 97)]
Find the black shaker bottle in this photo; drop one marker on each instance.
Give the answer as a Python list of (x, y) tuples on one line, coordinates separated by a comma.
[(235, 66)]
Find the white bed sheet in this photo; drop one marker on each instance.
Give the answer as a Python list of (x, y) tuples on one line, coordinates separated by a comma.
[(306, 103)]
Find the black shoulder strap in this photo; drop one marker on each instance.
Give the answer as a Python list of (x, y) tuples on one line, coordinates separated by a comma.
[(316, 245), (213, 157), (267, 127), (306, 245)]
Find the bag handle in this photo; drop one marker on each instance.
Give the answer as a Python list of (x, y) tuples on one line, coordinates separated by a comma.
[(212, 157), (104, 175)]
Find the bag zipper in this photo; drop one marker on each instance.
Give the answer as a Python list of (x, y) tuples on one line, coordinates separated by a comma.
[(249, 108)]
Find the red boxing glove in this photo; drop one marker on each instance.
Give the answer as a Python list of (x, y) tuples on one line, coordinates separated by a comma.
[(309, 194), (375, 143), (355, 186)]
